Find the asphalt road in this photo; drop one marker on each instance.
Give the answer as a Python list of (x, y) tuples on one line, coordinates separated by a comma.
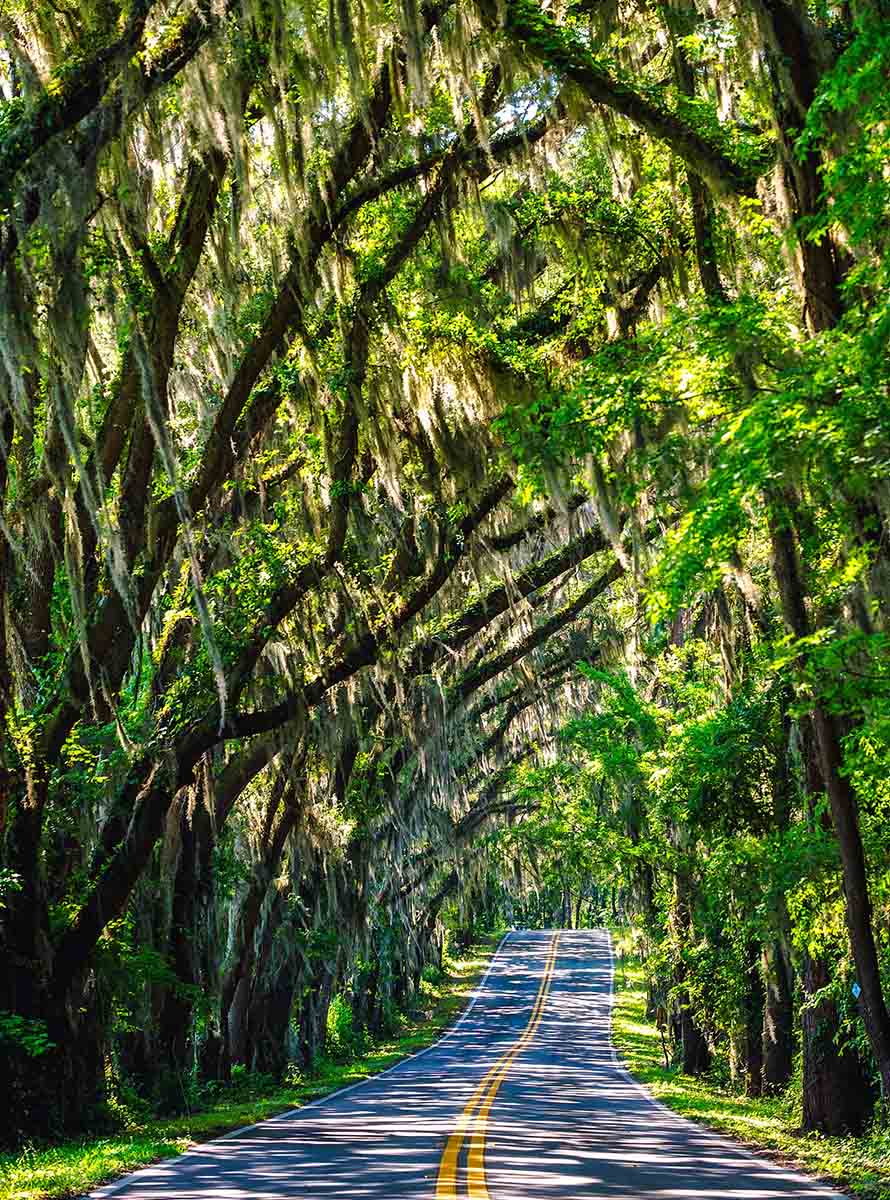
[(523, 1100)]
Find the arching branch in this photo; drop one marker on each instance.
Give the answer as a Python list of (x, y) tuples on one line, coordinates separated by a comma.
[(528, 24)]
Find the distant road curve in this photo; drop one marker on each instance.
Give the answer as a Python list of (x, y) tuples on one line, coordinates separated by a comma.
[(523, 1100)]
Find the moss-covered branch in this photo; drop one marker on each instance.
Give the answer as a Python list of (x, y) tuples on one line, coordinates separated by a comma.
[(535, 32)]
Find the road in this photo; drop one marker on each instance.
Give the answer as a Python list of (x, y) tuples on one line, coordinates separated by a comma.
[(523, 1100)]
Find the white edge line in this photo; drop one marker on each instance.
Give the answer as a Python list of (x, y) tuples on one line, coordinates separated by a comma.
[(816, 1188), (118, 1185)]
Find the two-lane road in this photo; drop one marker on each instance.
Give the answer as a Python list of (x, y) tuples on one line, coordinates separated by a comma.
[(523, 1100)]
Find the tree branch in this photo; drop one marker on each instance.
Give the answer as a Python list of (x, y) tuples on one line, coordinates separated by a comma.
[(535, 30)]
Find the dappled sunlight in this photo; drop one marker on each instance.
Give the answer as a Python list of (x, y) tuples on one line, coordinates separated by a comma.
[(567, 1121), (630, 1027)]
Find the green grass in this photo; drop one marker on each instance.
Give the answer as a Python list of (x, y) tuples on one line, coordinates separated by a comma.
[(73, 1167), (861, 1165)]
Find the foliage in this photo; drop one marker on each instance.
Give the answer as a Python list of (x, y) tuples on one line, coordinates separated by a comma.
[(32, 1036)]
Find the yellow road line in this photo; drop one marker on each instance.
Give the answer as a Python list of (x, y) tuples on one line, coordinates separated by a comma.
[(476, 1185), (446, 1184)]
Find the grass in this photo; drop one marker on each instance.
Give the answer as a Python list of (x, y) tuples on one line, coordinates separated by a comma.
[(73, 1167), (860, 1165)]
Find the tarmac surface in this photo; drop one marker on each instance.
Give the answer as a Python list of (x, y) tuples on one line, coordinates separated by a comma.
[(523, 1100)]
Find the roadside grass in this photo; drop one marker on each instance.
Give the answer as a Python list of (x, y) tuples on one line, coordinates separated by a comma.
[(859, 1165), (73, 1167)]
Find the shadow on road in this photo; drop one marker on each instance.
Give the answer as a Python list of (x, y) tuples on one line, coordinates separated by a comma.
[(567, 1122)]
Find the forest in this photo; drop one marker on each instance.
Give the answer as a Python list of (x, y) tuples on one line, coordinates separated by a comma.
[(444, 484)]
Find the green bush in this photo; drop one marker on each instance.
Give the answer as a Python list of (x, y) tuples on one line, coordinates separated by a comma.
[(343, 1040)]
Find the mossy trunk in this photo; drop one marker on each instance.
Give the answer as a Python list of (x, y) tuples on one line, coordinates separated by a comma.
[(827, 741), (52, 1076), (174, 1055), (60, 1090), (695, 1055)]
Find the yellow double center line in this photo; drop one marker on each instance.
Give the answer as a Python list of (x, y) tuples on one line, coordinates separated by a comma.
[(479, 1105)]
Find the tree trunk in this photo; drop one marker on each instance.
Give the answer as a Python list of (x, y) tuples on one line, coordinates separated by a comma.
[(60, 1089), (778, 974), (841, 798), (237, 981), (364, 997), (778, 1017), (837, 1094), (269, 1015), (858, 911), (696, 1057), (174, 1047), (753, 1024), (313, 1017), (796, 57)]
